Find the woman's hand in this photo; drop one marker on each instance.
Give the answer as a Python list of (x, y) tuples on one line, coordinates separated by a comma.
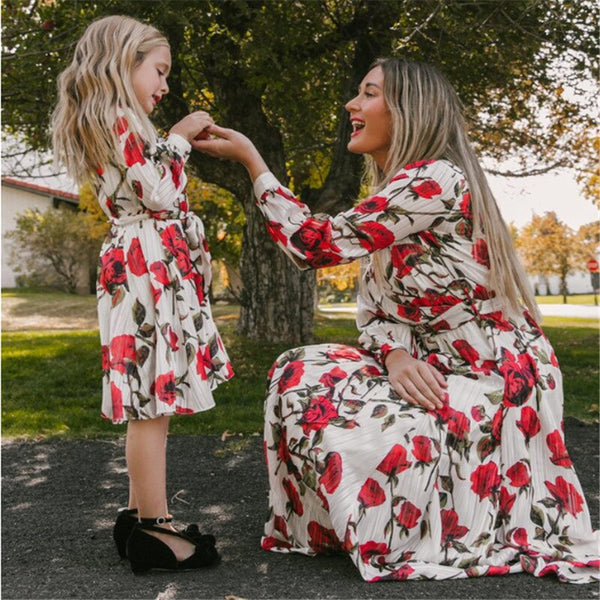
[(414, 380), (229, 144), (193, 126)]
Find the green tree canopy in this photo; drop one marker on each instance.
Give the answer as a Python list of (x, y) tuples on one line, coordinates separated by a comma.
[(281, 71)]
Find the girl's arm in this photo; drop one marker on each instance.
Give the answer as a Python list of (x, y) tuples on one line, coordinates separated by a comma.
[(158, 176)]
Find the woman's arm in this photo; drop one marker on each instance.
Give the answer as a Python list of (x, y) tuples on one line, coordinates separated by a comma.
[(417, 198), (414, 380)]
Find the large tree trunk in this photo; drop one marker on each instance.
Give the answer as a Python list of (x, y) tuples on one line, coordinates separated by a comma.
[(277, 298)]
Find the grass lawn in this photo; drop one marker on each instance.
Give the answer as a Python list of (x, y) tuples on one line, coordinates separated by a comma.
[(51, 379)]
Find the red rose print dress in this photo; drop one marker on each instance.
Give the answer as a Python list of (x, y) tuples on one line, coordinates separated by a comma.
[(484, 486), (161, 351)]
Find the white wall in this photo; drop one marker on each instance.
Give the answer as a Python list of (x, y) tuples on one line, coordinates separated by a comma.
[(13, 202)]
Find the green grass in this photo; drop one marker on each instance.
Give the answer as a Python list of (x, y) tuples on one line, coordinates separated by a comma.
[(51, 379)]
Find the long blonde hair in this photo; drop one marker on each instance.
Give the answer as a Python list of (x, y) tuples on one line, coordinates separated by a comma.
[(428, 123), (93, 87)]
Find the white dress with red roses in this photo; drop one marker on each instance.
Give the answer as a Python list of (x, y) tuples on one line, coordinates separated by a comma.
[(484, 486), (161, 351)]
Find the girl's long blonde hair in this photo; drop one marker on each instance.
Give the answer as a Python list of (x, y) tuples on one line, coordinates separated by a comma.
[(428, 123), (93, 87)]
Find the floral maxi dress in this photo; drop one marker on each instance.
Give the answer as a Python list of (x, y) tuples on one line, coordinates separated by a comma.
[(484, 486), (161, 351)]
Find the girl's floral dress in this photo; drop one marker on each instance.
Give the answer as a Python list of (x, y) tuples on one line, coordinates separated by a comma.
[(161, 351), (484, 486)]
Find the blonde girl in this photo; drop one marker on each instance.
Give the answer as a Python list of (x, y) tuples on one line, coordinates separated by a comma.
[(161, 352), (436, 450)]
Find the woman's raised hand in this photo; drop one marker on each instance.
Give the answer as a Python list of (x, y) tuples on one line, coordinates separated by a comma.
[(229, 144), (415, 381), (193, 125)]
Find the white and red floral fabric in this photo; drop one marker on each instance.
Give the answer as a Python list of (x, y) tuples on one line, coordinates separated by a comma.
[(161, 351), (484, 486)]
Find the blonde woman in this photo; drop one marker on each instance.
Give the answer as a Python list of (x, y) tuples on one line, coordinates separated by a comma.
[(161, 352), (436, 450)]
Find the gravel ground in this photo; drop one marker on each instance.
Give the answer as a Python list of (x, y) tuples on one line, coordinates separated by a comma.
[(59, 500)]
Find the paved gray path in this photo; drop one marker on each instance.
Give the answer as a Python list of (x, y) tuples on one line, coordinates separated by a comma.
[(59, 500)]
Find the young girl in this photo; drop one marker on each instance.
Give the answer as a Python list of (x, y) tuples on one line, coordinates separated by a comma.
[(161, 352), (436, 450)]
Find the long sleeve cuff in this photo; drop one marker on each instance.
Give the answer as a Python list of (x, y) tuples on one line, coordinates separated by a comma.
[(265, 181)]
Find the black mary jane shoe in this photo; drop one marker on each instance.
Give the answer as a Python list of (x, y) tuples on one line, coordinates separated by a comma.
[(146, 551), (126, 521)]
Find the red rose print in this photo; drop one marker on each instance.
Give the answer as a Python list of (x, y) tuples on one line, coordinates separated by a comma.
[(331, 378), (313, 236), (317, 415), (553, 359), (344, 353), (529, 424), (117, 402), (409, 515), (322, 540), (520, 376), (105, 358), (518, 474), (405, 257), (291, 376), (274, 230), (550, 381), (556, 445), (176, 245), (332, 475), (428, 238), (497, 422), (204, 362), (374, 236), (477, 413), (173, 339), (498, 570), (165, 388), (417, 164), (156, 294), (159, 270), (288, 196), (395, 461), (279, 523), (465, 206), (566, 496), (293, 497), (451, 530), (134, 151), (371, 494), (519, 538), (283, 450), (482, 293), (372, 205), (466, 351), (428, 189), (199, 285), (458, 423), (485, 480), (506, 502), (480, 253), (136, 262), (434, 360), (112, 269), (121, 126), (402, 572), (122, 353), (407, 311), (371, 548), (176, 170), (422, 448), (496, 319), (269, 542)]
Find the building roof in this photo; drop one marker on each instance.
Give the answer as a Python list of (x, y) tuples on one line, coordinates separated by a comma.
[(40, 189)]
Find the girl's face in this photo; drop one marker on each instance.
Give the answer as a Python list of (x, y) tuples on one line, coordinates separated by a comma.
[(371, 119), (149, 78)]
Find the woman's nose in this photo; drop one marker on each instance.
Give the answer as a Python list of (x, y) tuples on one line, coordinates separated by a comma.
[(351, 105)]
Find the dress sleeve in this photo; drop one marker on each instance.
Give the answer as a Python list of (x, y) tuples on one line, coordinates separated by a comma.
[(418, 197), (157, 176), (378, 334)]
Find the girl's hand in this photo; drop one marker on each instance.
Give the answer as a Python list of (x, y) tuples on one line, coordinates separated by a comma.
[(229, 144), (415, 381), (193, 126)]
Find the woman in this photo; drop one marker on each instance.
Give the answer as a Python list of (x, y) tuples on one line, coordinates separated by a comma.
[(436, 450)]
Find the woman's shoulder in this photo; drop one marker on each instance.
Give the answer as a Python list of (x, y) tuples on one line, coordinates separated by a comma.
[(440, 165)]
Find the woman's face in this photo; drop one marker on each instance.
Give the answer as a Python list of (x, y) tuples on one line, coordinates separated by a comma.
[(149, 78), (371, 119)]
